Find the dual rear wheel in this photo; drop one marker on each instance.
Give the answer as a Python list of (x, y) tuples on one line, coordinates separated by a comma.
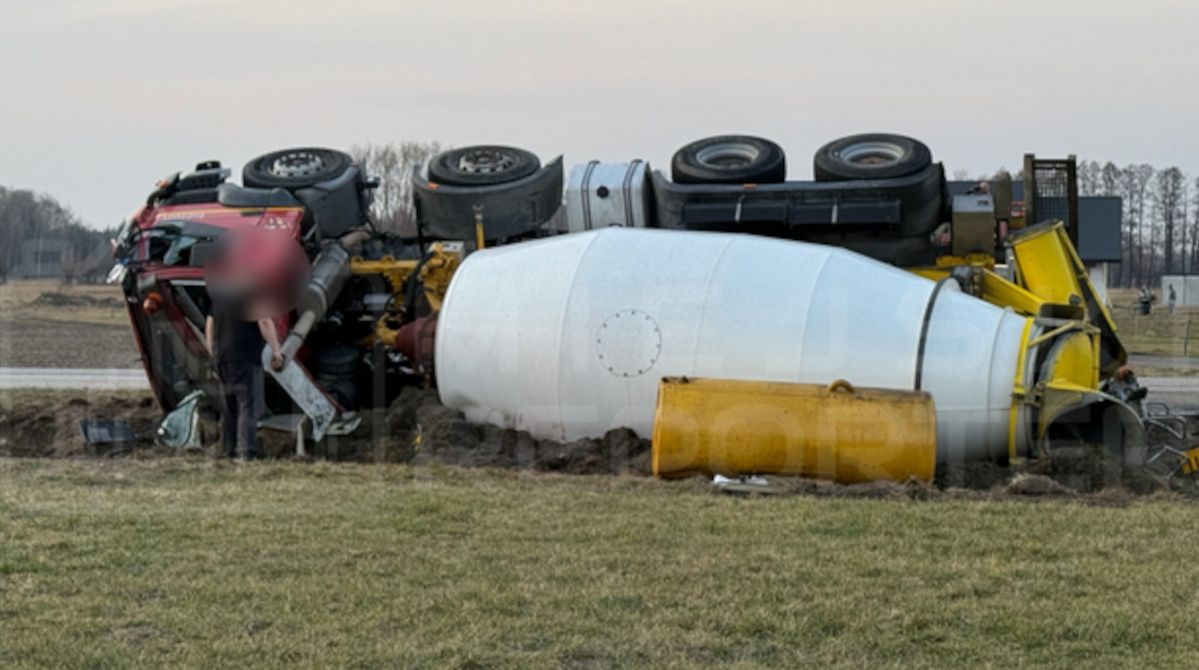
[(744, 159)]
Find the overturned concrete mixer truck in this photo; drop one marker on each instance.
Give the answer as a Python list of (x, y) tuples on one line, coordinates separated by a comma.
[(865, 325)]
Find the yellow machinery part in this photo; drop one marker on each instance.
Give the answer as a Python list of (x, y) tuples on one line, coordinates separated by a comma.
[(945, 264), (394, 271), (974, 259), (435, 275), (986, 283), (1045, 265), (992, 287), (1051, 269), (1074, 368), (1191, 465), (836, 432), (1076, 362), (1019, 392), (997, 290), (1070, 323)]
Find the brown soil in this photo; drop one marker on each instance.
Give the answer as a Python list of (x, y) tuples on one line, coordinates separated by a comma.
[(49, 343), (418, 429), (49, 424)]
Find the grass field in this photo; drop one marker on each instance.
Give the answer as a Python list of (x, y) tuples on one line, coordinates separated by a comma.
[(1159, 333), (51, 300), (183, 563), (44, 323)]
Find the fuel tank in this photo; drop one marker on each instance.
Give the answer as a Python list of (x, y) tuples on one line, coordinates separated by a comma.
[(569, 337)]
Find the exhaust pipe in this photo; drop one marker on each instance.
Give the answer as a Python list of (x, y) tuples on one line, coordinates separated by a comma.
[(330, 271)]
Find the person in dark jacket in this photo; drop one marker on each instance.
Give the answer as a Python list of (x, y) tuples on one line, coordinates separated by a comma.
[(1146, 300), (236, 348)]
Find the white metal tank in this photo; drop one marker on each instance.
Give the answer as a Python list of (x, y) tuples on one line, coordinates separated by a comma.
[(568, 337), (601, 195)]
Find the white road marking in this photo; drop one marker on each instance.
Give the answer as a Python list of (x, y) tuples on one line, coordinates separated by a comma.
[(96, 379)]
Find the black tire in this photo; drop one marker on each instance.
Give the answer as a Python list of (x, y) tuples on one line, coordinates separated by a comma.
[(871, 156), (729, 159), (295, 168), (482, 165)]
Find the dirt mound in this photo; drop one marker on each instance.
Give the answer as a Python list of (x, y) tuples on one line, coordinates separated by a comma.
[(418, 429), (415, 429), (49, 424), (972, 475), (1083, 469), (56, 299), (1065, 471), (1025, 484)]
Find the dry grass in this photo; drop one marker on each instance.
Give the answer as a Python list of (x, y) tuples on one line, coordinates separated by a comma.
[(101, 304), (179, 563), (44, 323), (1159, 333)]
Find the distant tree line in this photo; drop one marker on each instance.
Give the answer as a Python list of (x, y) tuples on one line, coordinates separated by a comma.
[(27, 216), (1161, 218)]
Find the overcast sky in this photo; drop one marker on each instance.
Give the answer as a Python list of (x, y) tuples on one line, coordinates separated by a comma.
[(100, 98)]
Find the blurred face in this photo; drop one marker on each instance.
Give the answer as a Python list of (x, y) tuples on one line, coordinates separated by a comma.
[(256, 273)]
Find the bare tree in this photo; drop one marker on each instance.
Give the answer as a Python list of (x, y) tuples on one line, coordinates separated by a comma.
[(1110, 179), (25, 216), (1169, 198), (1089, 178), (1194, 253), (393, 165), (1183, 225), (1134, 191)]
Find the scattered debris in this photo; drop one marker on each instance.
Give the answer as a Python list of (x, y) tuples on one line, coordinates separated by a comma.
[(418, 429), (180, 428), (101, 432), (47, 424)]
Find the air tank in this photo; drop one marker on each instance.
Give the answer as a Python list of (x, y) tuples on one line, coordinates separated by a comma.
[(568, 337)]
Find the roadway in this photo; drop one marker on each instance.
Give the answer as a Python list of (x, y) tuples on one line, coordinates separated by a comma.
[(79, 379)]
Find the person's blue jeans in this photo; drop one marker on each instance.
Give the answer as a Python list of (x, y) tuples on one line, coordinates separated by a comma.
[(241, 391)]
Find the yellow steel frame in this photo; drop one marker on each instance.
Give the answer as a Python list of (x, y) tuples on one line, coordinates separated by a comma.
[(1048, 271), (434, 274)]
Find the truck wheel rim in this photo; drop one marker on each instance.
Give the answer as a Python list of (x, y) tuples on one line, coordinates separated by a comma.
[(297, 164), (482, 161), (727, 155), (871, 154)]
